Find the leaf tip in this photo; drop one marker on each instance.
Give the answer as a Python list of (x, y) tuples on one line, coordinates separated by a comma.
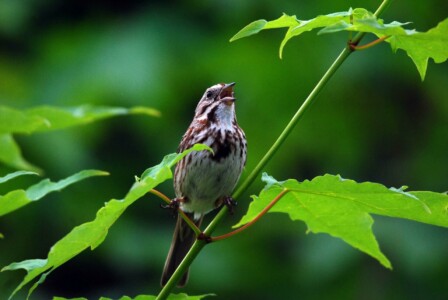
[(386, 263), (269, 180), (250, 29), (102, 173), (146, 111)]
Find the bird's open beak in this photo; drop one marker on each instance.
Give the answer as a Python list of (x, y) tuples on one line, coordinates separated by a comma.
[(226, 94)]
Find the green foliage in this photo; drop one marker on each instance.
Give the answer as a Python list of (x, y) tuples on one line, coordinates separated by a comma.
[(181, 296), (343, 208), (18, 198), (92, 234), (15, 174), (419, 46), (11, 155), (47, 118), (327, 204)]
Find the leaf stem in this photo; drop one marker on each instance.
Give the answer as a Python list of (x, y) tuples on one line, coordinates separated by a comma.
[(160, 195), (367, 46), (199, 244), (245, 226)]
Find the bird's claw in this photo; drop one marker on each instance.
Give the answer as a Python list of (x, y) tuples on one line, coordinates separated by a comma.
[(230, 203), (173, 206)]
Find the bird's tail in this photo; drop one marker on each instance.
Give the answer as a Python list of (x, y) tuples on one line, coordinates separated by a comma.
[(183, 239)]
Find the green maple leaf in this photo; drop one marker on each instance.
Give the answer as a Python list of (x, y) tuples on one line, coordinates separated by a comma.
[(420, 46), (181, 296), (343, 208), (48, 118), (16, 199), (93, 233)]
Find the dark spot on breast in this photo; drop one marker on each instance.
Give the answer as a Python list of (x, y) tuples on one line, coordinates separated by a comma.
[(222, 150), (218, 136)]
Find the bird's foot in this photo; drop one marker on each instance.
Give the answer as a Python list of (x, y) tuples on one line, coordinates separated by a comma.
[(230, 203), (173, 205)]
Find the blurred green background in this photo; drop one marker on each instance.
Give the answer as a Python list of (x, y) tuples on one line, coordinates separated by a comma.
[(375, 121)]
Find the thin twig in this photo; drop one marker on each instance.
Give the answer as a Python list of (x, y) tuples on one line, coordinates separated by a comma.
[(245, 226), (366, 46), (161, 196), (183, 215)]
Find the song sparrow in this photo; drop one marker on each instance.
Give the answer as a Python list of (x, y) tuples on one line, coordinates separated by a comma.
[(203, 180)]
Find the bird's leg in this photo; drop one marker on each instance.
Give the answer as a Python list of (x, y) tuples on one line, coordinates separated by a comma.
[(173, 205)]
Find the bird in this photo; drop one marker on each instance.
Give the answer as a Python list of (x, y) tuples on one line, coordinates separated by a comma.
[(204, 180)]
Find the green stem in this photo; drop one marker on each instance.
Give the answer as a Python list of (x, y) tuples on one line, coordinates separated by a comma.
[(292, 123), (199, 244), (382, 7)]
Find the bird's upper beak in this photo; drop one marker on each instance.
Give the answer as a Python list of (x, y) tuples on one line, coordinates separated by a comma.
[(226, 94)]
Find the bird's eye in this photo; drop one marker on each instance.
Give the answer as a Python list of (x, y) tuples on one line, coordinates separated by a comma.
[(209, 94)]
